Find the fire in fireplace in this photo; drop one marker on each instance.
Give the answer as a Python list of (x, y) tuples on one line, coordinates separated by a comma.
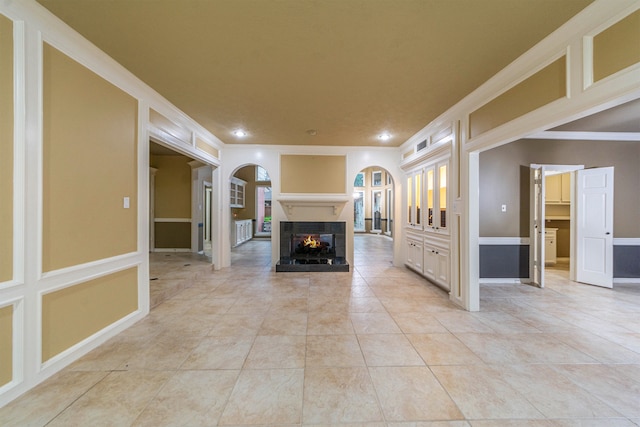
[(312, 246)]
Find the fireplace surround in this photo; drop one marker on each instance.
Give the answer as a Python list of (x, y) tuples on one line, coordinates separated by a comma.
[(312, 246)]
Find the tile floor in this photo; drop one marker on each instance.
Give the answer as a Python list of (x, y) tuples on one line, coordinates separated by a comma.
[(375, 347)]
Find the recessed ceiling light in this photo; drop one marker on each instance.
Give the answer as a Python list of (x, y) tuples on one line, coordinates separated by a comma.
[(240, 133), (384, 137)]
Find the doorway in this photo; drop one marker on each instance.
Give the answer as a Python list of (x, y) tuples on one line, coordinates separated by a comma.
[(251, 204), (373, 209), (572, 223)]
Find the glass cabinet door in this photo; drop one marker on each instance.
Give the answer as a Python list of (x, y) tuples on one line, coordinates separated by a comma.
[(430, 178), (410, 215), (417, 193), (442, 190), (414, 200)]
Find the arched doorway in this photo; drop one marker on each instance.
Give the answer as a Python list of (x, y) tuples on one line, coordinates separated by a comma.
[(373, 216), (250, 214)]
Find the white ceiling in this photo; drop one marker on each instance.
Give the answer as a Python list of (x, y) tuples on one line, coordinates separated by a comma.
[(349, 69)]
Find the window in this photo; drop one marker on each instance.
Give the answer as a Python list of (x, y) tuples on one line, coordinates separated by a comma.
[(376, 178), (261, 174), (359, 181)]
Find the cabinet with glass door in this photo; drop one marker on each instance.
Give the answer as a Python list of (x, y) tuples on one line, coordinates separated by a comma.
[(414, 200), (436, 197)]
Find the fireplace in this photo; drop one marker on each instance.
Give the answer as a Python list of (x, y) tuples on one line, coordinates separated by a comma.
[(312, 246)]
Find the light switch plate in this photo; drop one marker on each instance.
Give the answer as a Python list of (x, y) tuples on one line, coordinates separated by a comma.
[(504, 208), (125, 203)]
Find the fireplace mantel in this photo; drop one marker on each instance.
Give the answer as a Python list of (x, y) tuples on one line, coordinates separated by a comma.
[(335, 202)]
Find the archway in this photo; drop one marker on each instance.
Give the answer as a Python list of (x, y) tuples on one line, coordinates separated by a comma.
[(373, 216), (250, 215)]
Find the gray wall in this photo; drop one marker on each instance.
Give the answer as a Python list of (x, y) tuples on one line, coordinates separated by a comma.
[(504, 179)]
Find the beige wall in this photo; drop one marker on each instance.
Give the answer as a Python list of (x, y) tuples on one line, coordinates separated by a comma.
[(172, 200), (6, 149), (172, 235), (545, 86), (248, 174), (504, 179), (201, 145), (617, 48), (173, 186), (6, 345), (77, 312), (89, 165), (313, 174)]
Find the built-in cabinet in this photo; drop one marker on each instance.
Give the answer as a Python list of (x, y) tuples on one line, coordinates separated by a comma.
[(237, 192), (427, 222), (242, 231), (415, 251), (414, 200), (550, 245), (558, 189)]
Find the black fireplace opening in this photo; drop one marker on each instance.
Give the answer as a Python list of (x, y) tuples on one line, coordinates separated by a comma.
[(312, 246)]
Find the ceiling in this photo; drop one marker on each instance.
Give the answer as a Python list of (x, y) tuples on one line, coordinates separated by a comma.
[(347, 69)]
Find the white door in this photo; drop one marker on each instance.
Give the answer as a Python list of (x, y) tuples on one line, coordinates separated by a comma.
[(594, 226), (536, 233)]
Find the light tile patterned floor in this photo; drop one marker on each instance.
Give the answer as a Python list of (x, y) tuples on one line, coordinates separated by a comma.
[(378, 346)]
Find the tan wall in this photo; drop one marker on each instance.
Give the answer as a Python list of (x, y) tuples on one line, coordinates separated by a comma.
[(77, 312), (248, 174), (504, 179), (313, 174), (201, 145), (89, 165), (545, 86), (6, 149), (6, 345), (174, 235), (172, 200), (173, 186), (617, 48)]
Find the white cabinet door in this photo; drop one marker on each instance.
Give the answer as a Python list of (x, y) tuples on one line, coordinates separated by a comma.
[(414, 255), (444, 263), (430, 262)]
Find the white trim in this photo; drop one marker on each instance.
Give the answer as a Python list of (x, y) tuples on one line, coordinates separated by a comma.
[(165, 139), (172, 220), (334, 201), (623, 241), (17, 342), (172, 250), (101, 265), (586, 136), (89, 343), (83, 275), (515, 281), (503, 241), (623, 280)]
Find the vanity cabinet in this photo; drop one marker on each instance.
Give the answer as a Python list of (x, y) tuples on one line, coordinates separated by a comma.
[(237, 192)]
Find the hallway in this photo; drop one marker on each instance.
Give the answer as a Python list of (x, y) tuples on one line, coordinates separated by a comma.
[(377, 346)]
